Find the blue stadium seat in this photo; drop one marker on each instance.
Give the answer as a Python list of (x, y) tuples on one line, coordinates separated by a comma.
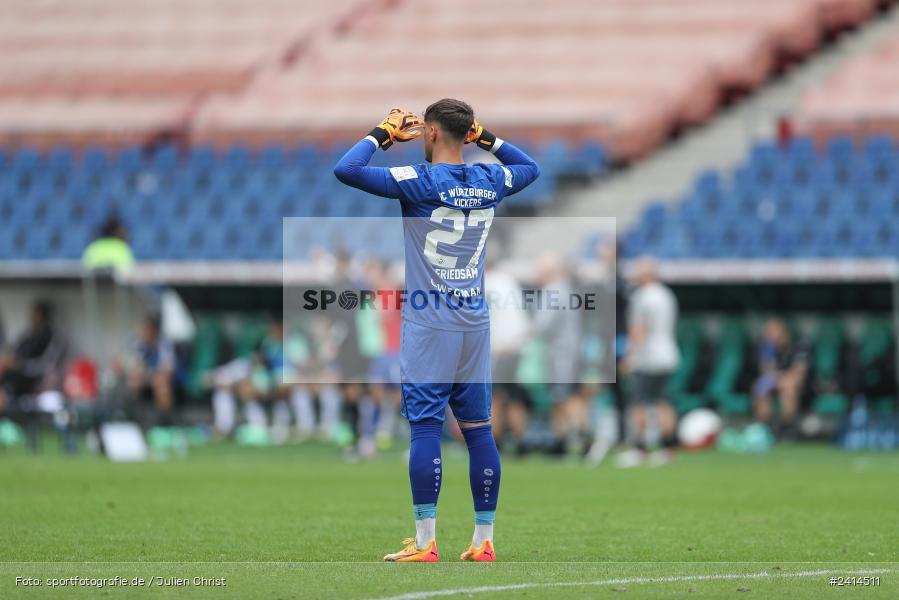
[(128, 160), (25, 159), (654, 213), (589, 159), (272, 156), (8, 248), (94, 158), (554, 157), (879, 147), (840, 148), (200, 203), (785, 202), (59, 159), (712, 243)]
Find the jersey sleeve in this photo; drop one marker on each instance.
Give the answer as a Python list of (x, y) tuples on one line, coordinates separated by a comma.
[(353, 170), (413, 182), (518, 169)]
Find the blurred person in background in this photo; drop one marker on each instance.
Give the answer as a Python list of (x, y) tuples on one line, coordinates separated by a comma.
[(372, 346), (320, 373), (36, 362), (560, 334), (299, 368), (151, 372), (265, 389), (611, 292), (266, 378), (384, 375), (783, 367), (228, 384), (294, 392), (110, 249), (509, 327), (351, 364), (651, 360)]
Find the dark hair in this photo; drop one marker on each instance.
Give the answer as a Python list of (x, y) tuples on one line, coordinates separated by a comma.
[(454, 117), (112, 227), (342, 255), (43, 309), (154, 321)]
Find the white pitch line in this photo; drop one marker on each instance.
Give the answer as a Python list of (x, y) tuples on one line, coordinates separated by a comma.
[(628, 580)]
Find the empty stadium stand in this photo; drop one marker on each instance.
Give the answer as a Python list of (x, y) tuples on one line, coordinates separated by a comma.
[(225, 204), (258, 96), (831, 192), (122, 72), (794, 201), (622, 73), (861, 98)]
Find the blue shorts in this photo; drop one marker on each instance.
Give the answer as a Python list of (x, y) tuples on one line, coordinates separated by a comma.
[(442, 367)]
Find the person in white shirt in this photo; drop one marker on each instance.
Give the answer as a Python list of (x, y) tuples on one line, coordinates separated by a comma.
[(509, 329), (559, 332), (651, 360)]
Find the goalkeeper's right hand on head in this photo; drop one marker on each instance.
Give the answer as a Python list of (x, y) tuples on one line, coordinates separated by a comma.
[(399, 125)]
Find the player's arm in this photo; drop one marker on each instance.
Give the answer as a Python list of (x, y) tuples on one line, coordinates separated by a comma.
[(353, 170), (522, 167)]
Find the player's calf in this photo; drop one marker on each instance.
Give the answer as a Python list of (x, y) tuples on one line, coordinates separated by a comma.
[(425, 474), (484, 476)]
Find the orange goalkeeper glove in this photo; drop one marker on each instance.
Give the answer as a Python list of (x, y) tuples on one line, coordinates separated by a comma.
[(398, 126), (480, 136)]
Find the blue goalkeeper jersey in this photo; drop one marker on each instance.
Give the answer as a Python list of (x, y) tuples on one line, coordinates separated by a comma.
[(448, 210)]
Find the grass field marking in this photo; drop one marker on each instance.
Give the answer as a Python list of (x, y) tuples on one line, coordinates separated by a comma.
[(443, 565), (629, 580)]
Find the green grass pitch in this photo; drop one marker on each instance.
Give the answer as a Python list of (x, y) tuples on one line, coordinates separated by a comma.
[(296, 522)]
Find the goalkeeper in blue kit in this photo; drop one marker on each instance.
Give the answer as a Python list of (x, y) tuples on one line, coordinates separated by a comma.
[(448, 208)]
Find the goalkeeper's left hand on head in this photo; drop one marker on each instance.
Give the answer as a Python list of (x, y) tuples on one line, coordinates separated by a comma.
[(480, 137), (399, 125)]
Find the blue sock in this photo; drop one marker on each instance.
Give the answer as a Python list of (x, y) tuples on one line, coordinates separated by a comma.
[(483, 470), (425, 464)]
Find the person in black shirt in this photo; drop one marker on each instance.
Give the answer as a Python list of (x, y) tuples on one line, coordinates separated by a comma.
[(35, 362), (783, 366)]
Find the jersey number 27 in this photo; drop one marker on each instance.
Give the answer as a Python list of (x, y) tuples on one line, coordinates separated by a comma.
[(441, 236)]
